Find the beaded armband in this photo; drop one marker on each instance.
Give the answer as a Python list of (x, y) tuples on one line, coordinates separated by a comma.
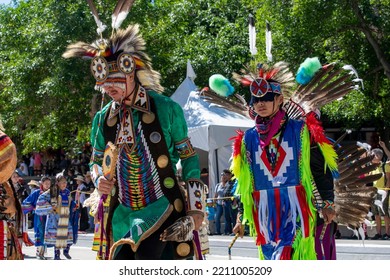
[(185, 149), (195, 196), (97, 156), (328, 204)]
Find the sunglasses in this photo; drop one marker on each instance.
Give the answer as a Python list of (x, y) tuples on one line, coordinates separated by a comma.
[(268, 97)]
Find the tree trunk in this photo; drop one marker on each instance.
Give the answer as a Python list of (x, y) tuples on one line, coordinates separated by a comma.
[(371, 39)]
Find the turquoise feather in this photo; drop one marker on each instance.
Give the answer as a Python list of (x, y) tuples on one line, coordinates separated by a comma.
[(307, 70), (221, 85)]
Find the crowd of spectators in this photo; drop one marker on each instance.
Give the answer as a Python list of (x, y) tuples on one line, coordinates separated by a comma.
[(52, 162)]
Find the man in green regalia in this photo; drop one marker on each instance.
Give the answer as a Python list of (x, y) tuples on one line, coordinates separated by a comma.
[(143, 212)]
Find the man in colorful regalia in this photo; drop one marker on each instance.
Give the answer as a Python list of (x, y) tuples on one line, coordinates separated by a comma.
[(149, 215), (272, 165)]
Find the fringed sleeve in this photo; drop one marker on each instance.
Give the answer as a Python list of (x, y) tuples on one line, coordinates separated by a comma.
[(242, 172)]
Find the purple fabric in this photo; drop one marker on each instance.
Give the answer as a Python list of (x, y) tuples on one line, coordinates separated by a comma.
[(275, 126), (328, 243), (100, 216), (197, 244)]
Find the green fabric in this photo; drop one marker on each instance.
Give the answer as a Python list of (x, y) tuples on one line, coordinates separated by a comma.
[(139, 221), (304, 248), (245, 187), (174, 127)]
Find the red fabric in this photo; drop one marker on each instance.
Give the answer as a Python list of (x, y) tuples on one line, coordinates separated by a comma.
[(304, 209), (2, 239), (26, 240), (278, 213), (260, 238), (286, 253)]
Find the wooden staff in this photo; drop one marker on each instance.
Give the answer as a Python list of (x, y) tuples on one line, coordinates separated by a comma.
[(231, 245), (324, 227), (222, 198)]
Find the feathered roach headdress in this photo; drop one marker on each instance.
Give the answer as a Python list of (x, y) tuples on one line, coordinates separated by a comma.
[(276, 79), (118, 56)]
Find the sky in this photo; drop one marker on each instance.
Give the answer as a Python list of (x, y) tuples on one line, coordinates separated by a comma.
[(5, 1)]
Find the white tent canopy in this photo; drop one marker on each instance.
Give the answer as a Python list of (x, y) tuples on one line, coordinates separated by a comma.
[(209, 128)]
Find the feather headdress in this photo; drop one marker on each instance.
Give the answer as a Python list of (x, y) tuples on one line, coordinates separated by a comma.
[(120, 55), (265, 78)]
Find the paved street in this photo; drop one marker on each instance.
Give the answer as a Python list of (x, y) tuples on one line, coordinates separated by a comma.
[(243, 249)]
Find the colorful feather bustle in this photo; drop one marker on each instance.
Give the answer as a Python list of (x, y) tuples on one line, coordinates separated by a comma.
[(318, 136), (307, 70)]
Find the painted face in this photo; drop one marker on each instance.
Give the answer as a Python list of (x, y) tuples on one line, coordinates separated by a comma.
[(266, 108), (119, 90), (112, 75), (46, 185), (117, 93)]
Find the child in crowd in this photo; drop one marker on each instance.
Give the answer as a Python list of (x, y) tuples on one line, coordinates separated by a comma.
[(210, 213)]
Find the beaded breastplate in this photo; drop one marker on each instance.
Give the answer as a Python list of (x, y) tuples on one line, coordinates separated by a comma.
[(138, 179)]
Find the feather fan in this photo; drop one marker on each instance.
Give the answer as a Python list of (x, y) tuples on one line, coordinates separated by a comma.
[(179, 231)]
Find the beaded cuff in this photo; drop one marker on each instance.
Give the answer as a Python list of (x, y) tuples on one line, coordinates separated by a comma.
[(97, 156), (185, 149), (195, 196), (328, 204)]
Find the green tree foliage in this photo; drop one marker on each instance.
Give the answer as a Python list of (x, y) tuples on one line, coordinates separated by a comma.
[(46, 100), (348, 31), (49, 101), (43, 101)]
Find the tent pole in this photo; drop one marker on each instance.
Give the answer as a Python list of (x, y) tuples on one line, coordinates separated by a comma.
[(217, 165)]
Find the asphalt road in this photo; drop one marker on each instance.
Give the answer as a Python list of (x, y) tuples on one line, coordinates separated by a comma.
[(243, 249)]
